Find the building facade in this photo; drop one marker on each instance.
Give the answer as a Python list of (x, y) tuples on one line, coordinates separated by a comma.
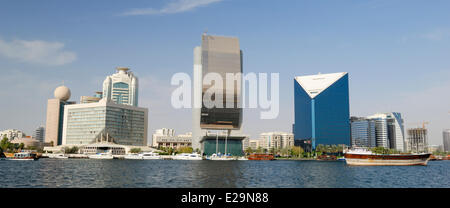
[(121, 87), (322, 112), (276, 140), (446, 138), (390, 132), (217, 56), (55, 115), (417, 140), (166, 138), (39, 134), (84, 123), (363, 132), (12, 134)]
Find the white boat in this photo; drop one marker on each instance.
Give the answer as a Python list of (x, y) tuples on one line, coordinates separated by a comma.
[(101, 156), (220, 157), (188, 156), (23, 156), (57, 156), (133, 156), (150, 156), (242, 158)]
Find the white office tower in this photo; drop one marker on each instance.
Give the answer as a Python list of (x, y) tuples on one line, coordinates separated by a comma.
[(121, 87), (197, 132), (390, 131), (88, 123)]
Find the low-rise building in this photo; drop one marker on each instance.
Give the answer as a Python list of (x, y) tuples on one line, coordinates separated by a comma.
[(12, 134), (28, 142), (276, 140), (166, 138)]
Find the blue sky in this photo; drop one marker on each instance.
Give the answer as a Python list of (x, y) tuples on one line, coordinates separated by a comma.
[(396, 53)]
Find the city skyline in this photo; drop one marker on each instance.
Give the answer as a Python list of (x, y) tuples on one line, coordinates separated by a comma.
[(400, 65)]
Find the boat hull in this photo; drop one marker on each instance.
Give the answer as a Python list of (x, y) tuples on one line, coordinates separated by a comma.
[(386, 160)]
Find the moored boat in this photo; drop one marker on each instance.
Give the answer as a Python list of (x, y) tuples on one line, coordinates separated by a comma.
[(150, 156), (258, 156), (188, 156), (367, 158), (23, 156), (220, 157), (101, 156), (58, 156), (133, 156)]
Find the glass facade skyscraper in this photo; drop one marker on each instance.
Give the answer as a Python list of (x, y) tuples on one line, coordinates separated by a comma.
[(121, 87), (217, 57), (446, 138), (363, 132), (322, 111), (221, 55), (84, 123), (390, 132)]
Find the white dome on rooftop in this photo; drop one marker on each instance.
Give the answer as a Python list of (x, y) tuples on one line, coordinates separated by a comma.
[(62, 93)]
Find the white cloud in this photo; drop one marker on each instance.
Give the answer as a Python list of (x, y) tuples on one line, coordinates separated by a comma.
[(37, 51), (177, 6), (436, 35)]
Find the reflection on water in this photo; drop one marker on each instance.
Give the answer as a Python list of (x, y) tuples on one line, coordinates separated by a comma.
[(211, 174)]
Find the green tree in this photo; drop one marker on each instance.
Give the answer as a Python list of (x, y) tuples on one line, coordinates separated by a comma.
[(259, 150), (297, 151), (248, 150), (21, 145), (135, 150), (4, 144), (184, 150), (71, 150)]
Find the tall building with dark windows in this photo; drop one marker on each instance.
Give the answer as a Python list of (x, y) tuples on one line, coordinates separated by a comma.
[(322, 109), (446, 138), (217, 56), (363, 132)]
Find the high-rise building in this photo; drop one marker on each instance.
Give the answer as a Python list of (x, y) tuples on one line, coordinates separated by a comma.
[(417, 140), (39, 134), (363, 132), (322, 109), (220, 56), (446, 138), (86, 123), (121, 87), (55, 115), (390, 132)]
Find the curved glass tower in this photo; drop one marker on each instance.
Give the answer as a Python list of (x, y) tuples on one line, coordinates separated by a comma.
[(322, 109)]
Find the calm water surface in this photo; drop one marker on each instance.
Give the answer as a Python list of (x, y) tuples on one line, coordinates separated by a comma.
[(216, 174)]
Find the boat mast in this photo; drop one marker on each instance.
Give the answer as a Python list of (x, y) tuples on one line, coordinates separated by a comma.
[(217, 142), (226, 136)]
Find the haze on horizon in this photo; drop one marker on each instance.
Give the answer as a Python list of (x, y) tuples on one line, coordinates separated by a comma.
[(396, 53)]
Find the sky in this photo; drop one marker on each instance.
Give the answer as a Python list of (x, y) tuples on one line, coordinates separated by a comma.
[(395, 51)]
